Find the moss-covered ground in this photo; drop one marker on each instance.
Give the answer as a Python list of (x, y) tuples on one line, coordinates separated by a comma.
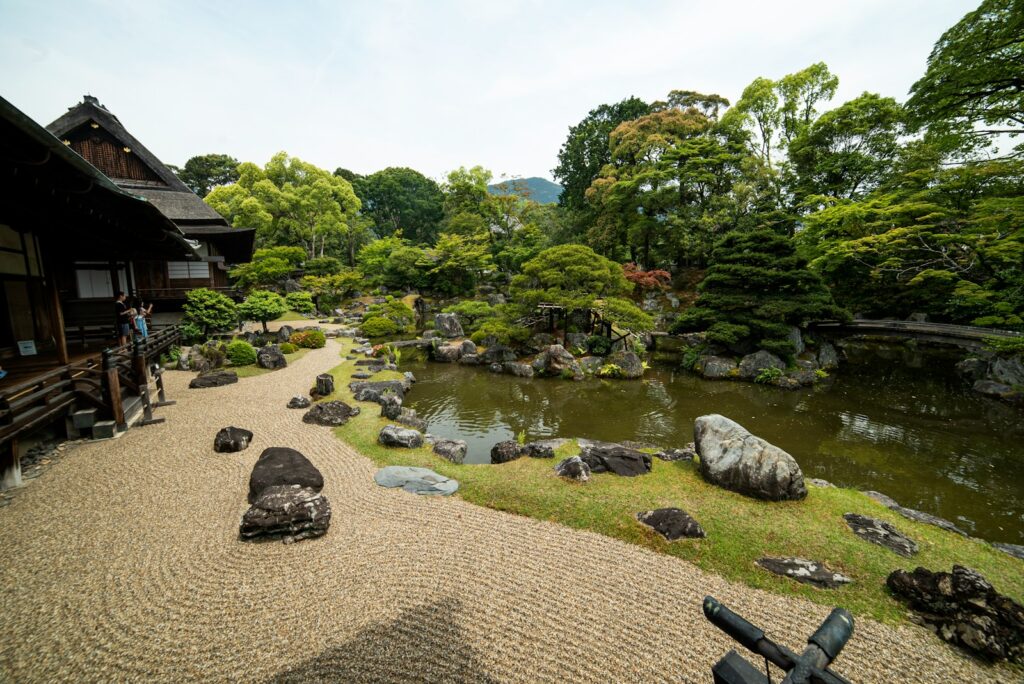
[(739, 529)]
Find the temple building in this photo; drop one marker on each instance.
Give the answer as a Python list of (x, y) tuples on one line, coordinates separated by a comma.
[(92, 131)]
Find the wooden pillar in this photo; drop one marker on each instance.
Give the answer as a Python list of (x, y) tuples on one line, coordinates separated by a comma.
[(139, 365), (10, 465), (57, 318), (112, 387)]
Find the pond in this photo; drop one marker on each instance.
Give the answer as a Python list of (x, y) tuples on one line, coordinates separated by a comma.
[(892, 420)]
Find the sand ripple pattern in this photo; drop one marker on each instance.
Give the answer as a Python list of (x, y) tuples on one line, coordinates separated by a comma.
[(123, 564)]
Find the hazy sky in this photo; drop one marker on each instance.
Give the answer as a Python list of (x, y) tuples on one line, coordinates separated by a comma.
[(429, 85)]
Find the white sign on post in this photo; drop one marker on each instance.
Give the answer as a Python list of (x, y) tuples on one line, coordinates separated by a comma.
[(27, 347)]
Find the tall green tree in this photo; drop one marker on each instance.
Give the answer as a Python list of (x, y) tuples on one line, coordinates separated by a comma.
[(586, 150), (205, 172), (400, 199), (755, 289), (289, 202), (975, 77)]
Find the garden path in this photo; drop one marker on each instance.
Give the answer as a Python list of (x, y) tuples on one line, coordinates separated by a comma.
[(123, 563)]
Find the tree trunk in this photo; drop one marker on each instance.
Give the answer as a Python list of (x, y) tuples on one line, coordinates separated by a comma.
[(265, 327)]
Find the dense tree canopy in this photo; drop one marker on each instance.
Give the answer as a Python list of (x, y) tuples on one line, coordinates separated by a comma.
[(402, 200), (208, 171), (289, 202)]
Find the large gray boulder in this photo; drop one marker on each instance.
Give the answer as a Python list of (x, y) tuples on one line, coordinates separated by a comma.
[(497, 353), (283, 466), (374, 390), (751, 365), (271, 357), (732, 458), (520, 370), (284, 333), (447, 325), (796, 339), (828, 357), (288, 512), (1007, 370), (394, 436)]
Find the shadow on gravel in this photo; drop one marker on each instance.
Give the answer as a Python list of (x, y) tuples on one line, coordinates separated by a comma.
[(425, 644)]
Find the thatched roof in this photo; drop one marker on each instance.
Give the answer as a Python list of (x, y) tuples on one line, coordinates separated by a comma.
[(172, 197)]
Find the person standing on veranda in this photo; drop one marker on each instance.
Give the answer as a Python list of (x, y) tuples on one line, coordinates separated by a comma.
[(122, 318)]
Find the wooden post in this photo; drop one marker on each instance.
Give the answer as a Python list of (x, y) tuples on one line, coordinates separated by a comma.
[(10, 464), (113, 387), (139, 361), (57, 318)]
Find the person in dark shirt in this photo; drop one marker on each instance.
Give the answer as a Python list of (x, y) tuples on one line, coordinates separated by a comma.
[(122, 318)]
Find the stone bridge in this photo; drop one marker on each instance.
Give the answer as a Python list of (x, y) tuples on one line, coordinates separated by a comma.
[(966, 336)]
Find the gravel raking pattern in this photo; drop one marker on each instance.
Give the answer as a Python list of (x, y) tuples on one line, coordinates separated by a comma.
[(123, 563)]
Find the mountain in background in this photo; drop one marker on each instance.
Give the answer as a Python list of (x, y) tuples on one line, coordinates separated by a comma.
[(540, 190)]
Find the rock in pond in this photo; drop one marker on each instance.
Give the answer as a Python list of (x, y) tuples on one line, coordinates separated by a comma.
[(416, 480), (288, 512), (603, 457), (231, 439), (554, 360), (447, 325), (394, 436), (217, 378), (330, 413), (299, 402), (283, 466), (573, 468), (881, 533), (506, 451), (271, 358), (716, 367), (964, 609), (732, 458), (629, 363), (805, 571), (447, 353), (467, 347), (497, 353), (453, 450), (671, 523), (520, 370), (752, 365)]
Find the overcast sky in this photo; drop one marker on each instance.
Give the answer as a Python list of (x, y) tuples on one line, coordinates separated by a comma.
[(430, 85)]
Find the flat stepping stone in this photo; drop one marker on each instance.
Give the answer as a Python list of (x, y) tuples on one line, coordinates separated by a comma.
[(1015, 550), (422, 481), (881, 533), (672, 523), (805, 571), (917, 516), (362, 376)]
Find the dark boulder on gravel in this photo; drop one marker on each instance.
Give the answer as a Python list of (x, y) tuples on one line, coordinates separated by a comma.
[(271, 357), (217, 378), (330, 413), (299, 402), (288, 512), (231, 439), (283, 466)]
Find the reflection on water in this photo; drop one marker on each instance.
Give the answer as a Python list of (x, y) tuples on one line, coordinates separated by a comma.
[(896, 424)]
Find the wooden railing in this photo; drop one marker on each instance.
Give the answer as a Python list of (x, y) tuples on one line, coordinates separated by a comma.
[(97, 381)]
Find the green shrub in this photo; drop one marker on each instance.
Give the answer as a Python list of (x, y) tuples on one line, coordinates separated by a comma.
[(499, 332), (820, 373), (191, 333), (609, 370), (767, 376), (690, 358), (262, 306), (301, 302), (308, 339), (394, 310), (1005, 345), (209, 311), (288, 348), (322, 266), (241, 353), (599, 345), (174, 353), (378, 326)]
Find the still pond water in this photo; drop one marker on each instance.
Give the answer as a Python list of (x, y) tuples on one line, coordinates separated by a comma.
[(894, 421)]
